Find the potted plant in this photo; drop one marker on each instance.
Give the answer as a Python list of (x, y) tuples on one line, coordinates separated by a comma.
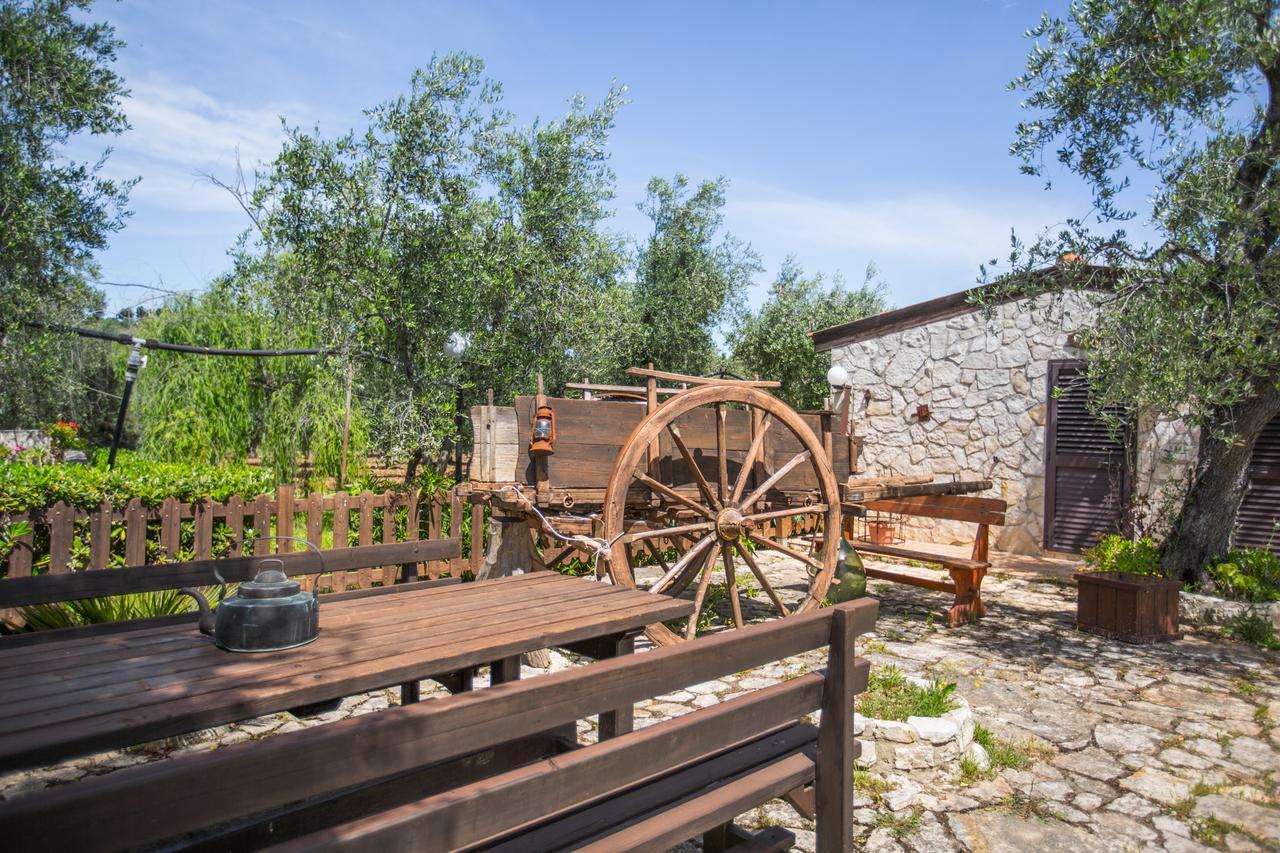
[(1123, 595)]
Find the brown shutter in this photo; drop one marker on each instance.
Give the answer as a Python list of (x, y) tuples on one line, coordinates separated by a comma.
[(1256, 525), (1086, 476)]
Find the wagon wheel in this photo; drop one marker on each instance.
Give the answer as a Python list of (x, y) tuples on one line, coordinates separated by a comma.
[(717, 520)]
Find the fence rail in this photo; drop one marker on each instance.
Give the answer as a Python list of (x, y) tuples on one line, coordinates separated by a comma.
[(135, 535)]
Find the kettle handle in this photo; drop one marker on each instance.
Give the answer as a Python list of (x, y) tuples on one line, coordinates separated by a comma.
[(315, 588)]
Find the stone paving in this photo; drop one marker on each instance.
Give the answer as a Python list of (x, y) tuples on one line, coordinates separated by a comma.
[(1168, 747)]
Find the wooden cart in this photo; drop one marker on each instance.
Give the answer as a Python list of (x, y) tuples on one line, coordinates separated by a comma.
[(662, 485)]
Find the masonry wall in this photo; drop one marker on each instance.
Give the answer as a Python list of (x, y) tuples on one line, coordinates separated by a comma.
[(984, 380)]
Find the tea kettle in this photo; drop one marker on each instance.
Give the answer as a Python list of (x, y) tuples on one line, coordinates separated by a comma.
[(268, 613)]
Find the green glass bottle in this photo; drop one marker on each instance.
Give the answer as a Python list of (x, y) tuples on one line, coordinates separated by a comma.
[(850, 579)]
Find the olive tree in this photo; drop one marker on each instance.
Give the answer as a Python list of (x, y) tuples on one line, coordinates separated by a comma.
[(56, 83), (1183, 96), (773, 342)]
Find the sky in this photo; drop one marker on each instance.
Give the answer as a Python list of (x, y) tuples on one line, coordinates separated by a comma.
[(851, 133)]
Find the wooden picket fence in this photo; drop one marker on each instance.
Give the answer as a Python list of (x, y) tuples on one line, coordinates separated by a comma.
[(155, 533)]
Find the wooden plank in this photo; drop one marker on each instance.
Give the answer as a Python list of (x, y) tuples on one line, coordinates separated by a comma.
[(262, 525), (203, 512), (284, 519), (457, 564), (170, 528), (100, 536), (277, 771), (235, 522), (516, 800), (920, 556), (341, 516), (952, 507), (61, 520), (477, 537), (701, 380), (16, 592), (364, 576), (20, 557), (135, 534), (315, 519), (911, 580), (389, 510)]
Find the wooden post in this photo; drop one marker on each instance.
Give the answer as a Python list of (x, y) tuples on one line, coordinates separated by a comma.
[(389, 573), (655, 447), (170, 527), (365, 575), (457, 564), (235, 521), (262, 525), (477, 537), (20, 556), (346, 425), (833, 785)]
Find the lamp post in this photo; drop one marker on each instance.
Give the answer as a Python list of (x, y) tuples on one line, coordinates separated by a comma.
[(455, 349)]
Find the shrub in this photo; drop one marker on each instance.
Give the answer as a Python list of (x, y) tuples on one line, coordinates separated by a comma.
[(892, 696), (1116, 553), (114, 608), (24, 485), (1252, 574)]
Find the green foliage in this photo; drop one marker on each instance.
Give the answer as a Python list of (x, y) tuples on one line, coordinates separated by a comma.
[(1115, 553), (687, 283), (23, 485), (891, 695), (1002, 753), (1251, 574), (114, 608), (443, 216), (1255, 629), (56, 82), (773, 343), (65, 435), (217, 410)]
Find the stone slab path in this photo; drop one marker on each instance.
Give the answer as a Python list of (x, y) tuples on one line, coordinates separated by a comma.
[(1170, 747)]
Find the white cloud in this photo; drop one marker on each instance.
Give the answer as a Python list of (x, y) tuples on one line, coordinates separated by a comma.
[(945, 228)]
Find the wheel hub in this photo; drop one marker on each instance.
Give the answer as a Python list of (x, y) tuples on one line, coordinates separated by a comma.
[(730, 524)]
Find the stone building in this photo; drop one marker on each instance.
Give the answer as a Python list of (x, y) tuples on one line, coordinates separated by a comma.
[(945, 388)]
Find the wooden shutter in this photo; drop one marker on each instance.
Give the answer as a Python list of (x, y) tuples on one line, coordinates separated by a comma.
[(1086, 470), (1257, 524)]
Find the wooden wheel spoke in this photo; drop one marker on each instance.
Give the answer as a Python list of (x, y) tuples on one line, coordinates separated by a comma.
[(722, 453), (655, 553), (777, 475), (764, 582), (675, 570), (783, 513), (757, 441), (731, 583), (691, 629), (692, 465), (783, 549), (664, 489), (658, 532)]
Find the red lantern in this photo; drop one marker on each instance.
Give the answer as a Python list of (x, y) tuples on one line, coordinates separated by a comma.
[(542, 437)]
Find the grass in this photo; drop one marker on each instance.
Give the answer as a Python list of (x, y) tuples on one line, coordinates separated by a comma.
[(1002, 752), (1031, 806), (871, 785), (1254, 630), (971, 772), (892, 696), (899, 826)]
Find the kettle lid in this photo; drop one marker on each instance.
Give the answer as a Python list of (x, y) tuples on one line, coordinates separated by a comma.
[(270, 582)]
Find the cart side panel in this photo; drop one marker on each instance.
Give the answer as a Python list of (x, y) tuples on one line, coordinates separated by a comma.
[(698, 429), (589, 435)]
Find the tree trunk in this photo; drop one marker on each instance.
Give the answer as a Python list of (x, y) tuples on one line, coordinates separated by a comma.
[(1202, 530)]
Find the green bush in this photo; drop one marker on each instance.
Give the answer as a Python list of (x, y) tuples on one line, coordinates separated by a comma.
[(1116, 553), (24, 485), (1252, 574)]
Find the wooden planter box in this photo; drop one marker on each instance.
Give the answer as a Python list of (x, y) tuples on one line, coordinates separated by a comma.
[(1127, 607)]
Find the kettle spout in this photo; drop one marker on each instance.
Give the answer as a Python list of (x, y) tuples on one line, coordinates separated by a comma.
[(206, 614)]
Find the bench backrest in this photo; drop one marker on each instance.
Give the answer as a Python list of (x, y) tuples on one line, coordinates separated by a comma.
[(988, 511), (197, 791), (41, 589)]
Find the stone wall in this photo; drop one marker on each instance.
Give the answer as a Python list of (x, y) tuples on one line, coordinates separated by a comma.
[(984, 379)]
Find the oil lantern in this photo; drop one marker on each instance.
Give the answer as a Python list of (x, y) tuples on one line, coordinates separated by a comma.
[(542, 437)]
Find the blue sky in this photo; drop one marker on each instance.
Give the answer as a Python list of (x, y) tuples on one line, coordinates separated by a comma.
[(850, 132)]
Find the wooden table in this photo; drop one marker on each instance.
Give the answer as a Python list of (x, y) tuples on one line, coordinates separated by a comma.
[(71, 697)]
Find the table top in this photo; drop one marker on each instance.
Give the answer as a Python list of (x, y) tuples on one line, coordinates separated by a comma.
[(71, 697)]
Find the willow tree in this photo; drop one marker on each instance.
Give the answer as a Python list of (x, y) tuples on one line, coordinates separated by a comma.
[(1182, 96)]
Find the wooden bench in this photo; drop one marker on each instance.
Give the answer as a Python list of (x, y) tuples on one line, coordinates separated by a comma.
[(500, 768), (966, 574)]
